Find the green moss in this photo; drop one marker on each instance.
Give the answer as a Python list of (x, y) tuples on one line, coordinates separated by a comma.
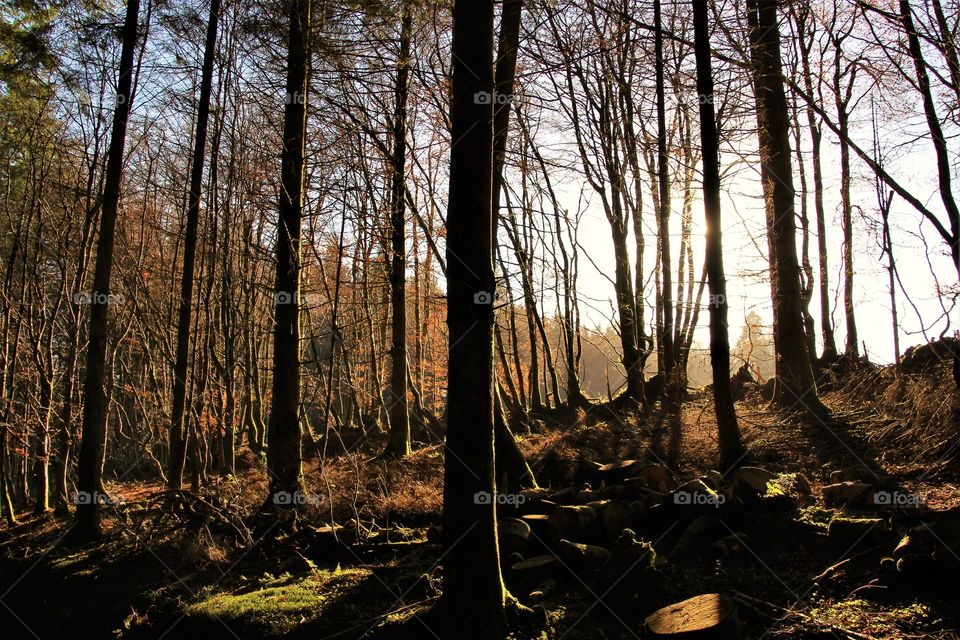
[(279, 604), (816, 516)]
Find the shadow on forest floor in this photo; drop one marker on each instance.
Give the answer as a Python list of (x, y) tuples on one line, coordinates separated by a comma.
[(793, 570)]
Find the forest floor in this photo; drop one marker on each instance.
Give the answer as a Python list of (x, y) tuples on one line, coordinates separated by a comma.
[(796, 561)]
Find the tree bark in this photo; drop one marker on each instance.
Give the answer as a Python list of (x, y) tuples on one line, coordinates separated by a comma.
[(180, 369), (666, 346), (398, 442), (474, 595), (283, 430), (796, 388), (731, 447), (90, 459)]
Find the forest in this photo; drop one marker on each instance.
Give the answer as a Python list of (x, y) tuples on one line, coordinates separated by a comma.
[(475, 320)]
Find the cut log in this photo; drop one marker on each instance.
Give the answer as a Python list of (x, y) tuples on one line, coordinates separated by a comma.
[(714, 479), (708, 617), (574, 522), (524, 576), (539, 525), (848, 531), (615, 472), (656, 476), (751, 482), (848, 494), (583, 557), (543, 590), (695, 498), (536, 501), (514, 535), (693, 537)]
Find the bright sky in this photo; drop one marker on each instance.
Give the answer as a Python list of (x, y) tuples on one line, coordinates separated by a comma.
[(745, 252)]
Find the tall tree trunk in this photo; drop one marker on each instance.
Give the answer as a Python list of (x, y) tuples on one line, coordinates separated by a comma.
[(796, 388), (671, 387), (806, 40), (177, 443), (398, 442), (884, 202), (283, 430), (731, 447), (41, 467), (473, 595), (6, 504), (852, 347), (89, 462), (806, 281)]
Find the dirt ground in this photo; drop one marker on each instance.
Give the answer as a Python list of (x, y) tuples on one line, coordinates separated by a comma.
[(363, 561)]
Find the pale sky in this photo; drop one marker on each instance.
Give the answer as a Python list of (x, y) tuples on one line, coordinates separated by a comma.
[(745, 251)]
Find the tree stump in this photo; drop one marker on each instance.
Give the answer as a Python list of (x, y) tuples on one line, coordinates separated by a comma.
[(708, 617)]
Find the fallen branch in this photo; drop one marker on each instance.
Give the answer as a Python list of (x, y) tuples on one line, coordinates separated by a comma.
[(753, 602)]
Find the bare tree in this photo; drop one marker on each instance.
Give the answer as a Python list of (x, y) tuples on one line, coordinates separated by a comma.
[(90, 461), (180, 370), (398, 443), (283, 431), (731, 447), (796, 388), (474, 595)]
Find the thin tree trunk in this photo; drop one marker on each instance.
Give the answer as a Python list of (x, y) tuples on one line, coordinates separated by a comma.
[(804, 21), (841, 99), (89, 464), (398, 441), (731, 447), (671, 387), (177, 444), (283, 431)]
